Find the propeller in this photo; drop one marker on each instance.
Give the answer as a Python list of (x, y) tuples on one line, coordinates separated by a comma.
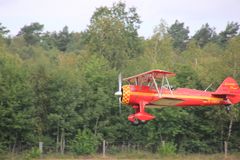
[(119, 92), (119, 105)]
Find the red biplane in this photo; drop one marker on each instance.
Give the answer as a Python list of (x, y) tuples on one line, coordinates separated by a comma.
[(145, 91)]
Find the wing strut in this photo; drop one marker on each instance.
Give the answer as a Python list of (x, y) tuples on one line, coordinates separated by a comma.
[(164, 78), (162, 84), (168, 85), (155, 83)]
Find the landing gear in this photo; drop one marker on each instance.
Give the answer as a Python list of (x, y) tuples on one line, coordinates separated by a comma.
[(138, 122), (144, 122), (140, 116), (228, 108)]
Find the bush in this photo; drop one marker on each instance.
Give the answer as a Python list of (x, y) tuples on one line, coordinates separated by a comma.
[(2, 148), (33, 153), (167, 149), (113, 150), (85, 142)]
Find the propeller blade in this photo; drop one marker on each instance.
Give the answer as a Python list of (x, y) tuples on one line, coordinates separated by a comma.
[(119, 105), (119, 82), (119, 92)]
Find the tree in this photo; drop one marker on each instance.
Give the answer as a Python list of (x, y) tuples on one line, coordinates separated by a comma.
[(48, 40), (204, 35), (84, 143), (76, 43), (3, 30), (161, 31), (113, 34), (39, 81), (16, 104), (62, 39), (31, 33), (64, 101), (97, 87), (230, 31), (179, 34)]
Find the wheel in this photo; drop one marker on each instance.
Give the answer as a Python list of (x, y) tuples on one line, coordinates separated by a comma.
[(136, 122), (143, 122), (139, 122)]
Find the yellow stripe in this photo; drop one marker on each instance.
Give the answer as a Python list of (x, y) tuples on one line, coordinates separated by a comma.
[(174, 96)]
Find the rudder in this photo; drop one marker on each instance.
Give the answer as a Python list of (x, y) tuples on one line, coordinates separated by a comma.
[(228, 86), (230, 89)]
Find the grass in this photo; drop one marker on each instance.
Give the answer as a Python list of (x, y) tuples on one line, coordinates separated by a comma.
[(150, 156), (130, 156)]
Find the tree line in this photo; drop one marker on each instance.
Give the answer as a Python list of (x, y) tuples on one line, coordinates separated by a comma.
[(55, 86)]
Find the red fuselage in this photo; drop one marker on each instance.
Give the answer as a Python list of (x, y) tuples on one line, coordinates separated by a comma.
[(133, 95)]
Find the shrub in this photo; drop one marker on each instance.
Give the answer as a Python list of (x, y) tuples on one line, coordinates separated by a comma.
[(85, 142), (2, 148), (33, 153), (167, 149), (113, 150)]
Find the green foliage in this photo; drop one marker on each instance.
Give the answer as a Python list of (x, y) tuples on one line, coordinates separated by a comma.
[(187, 77), (35, 153), (113, 150), (15, 101), (32, 154), (2, 148), (3, 30), (31, 33), (230, 31), (167, 149), (204, 35), (85, 142), (54, 83), (62, 39), (113, 29), (179, 35)]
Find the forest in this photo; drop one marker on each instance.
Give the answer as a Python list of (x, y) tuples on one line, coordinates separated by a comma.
[(58, 87)]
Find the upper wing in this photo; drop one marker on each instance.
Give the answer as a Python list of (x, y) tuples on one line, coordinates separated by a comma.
[(147, 76)]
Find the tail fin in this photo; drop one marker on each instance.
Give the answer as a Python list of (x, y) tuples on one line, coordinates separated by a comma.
[(228, 86), (230, 89)]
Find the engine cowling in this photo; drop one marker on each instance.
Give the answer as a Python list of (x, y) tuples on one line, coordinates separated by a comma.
[(126, 94)]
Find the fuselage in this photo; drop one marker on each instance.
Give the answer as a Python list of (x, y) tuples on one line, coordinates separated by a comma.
[(133, 95)]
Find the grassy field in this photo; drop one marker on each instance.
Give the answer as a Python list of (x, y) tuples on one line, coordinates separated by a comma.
[(131, 156)]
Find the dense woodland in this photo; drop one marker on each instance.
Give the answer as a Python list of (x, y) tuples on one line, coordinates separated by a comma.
[(57, 85)]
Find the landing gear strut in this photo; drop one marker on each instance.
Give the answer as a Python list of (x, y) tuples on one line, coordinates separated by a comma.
[(228, 108)]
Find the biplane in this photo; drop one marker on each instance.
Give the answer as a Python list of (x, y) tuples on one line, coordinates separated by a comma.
[(152, 90)]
